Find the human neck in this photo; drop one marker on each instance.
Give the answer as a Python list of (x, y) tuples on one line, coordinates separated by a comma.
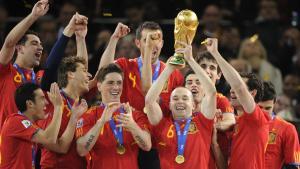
[(29, 115), (71, 92), (106, 101), (23, 64), (197, 107)]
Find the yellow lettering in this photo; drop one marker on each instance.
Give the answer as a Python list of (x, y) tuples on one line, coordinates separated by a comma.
[(133, 79), (170, 133), (18, 78)]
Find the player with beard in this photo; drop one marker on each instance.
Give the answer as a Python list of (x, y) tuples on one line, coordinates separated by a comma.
[(29, 52), (250, 134), (141, 72), (110, 134), (183, 140)]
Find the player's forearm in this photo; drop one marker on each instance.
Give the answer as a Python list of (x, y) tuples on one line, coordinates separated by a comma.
[(158, 85), (13, 37), (236, 83), (86, 142), (219, 158), (154, 113), (81, 49), (228, 120), (109, 53), (146, 73), (51, 132), (208, 86), (142, 138), (64, 142)]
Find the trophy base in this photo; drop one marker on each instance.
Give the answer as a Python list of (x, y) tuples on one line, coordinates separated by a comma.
[(177, 59)]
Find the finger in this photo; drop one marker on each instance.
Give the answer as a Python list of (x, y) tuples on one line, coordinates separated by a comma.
[(120, 125), (182, 43)]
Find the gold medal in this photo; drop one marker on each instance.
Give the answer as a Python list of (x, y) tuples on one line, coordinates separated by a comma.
[(120, 149), (179, 159)]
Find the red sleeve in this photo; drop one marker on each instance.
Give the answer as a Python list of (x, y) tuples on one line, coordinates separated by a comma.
[(206, 124), (141, 119), (257, 117), (21, 128), (86, 122), (5, 71), (291, 145), (122, 62), (223, 104)]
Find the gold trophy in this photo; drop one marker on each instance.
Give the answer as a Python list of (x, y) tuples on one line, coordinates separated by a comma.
[(186, 24)]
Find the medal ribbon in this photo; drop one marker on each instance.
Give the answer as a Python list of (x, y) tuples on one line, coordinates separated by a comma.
[(181, 136), (66, 97), (19, 70), (156, 69), (117, 133)]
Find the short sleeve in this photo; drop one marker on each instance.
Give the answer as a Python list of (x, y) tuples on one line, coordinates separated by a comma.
[(206, 124), (141, 119), (122, 62), (21, 128), (291, 145), (86, 122), (5, 71), (257, 117)]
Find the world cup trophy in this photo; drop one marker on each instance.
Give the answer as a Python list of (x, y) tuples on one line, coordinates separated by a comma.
[(186, 24)]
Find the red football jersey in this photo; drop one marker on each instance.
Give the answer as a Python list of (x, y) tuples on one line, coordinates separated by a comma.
[(52, 160), (15, 145), (132, 91), (198, 141), (10, 79), (283, 144), (103, 154), (249, 140), (224, 138)]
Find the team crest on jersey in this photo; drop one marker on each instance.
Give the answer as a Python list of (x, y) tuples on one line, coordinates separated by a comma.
[(26, 123), (79, 123), (272, 137), (193, 128)]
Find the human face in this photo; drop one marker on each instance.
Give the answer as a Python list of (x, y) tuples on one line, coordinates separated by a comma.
[(31, 51), (141, 44), (193, 84), (111, 88), (39, 105), (252, 53), (267, 106), (211, 68), (81, 78), (181, 103)]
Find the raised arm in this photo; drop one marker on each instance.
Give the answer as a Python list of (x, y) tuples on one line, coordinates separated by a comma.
[(152, 108), (87, 141), (141, 137), (146, 74), (109, 53), (63, 143), (80, 37), (57, 53), (208, 104), (8, 48), (232, 77), (49, 135)]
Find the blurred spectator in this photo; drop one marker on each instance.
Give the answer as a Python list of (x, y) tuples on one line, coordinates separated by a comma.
[(241, 65), (230, 42), (71, 48), (134, 12), (100, 44), (291, 84), (211, 20), (47, 28), (254, 52), (151, 11), (289, 51), (283, 108), (3, 24), (127, 48), (268, 26), (66, 12)]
